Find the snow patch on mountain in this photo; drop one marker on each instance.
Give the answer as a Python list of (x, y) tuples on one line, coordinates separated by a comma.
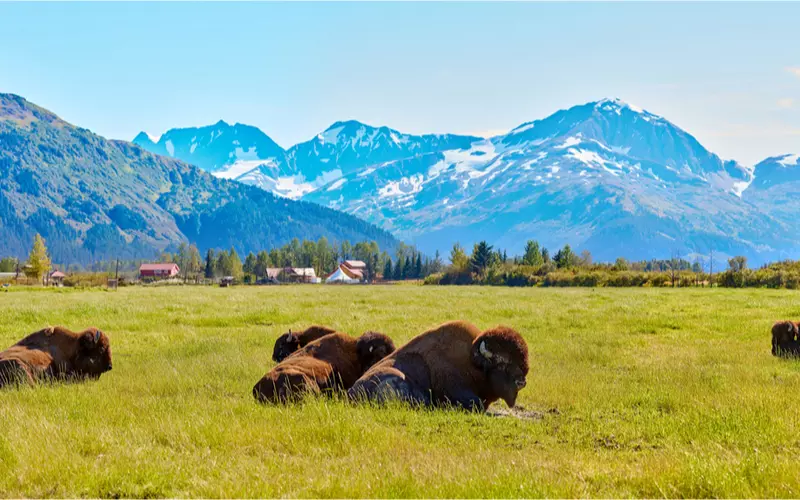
[(241, 167), (406, 186), (789, 160)]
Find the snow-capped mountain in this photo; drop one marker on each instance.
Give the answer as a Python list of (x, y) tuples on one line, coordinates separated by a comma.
[(605, 176), (227, 151), (246, 154)]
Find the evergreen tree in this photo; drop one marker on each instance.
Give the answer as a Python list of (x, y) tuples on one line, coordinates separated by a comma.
[(398, 270), (250, 264), (565, 257), (408, 270), (387, 270), (481, 257), (545, 256), (418, 267), (38, 260), (210, 264), (223, 267), (262, 264), (436, 263), (533, 255)]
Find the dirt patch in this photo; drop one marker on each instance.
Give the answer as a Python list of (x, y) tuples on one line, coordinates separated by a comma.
[(516, 412)]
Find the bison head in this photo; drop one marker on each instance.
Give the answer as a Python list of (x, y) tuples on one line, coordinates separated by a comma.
[(373, 347), (285, 345), (93, 357), (784, 335), (502, 354)]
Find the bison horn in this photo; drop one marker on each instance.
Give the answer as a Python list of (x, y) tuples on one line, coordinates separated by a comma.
[(371, 348), (289, 337), (484, 351), (96, 336)]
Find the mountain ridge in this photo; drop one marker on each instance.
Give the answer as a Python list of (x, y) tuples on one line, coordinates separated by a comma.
[(94, 199), (592, 175)]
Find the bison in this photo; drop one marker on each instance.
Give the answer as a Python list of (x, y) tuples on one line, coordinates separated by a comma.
[(451, 365), (290, 342), (56, 353), (785, 339), (331, 363)]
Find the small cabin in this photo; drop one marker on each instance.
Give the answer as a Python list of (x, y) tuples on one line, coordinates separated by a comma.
[(57, 278)]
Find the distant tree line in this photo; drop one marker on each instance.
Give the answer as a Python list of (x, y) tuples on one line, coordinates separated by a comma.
[(483, 266), (538, 267)]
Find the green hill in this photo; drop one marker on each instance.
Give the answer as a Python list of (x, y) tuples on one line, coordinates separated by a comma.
[(93, 198)]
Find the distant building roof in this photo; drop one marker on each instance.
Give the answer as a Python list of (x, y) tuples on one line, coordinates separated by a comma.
[(355, 264), (274, 272), (304, 271), (58, 274), (157, 267), (355, 274)]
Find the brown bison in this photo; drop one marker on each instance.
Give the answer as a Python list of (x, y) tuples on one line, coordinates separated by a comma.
[(451, 365), (785, 339), (290, 342), (56, 353), (331, 363)]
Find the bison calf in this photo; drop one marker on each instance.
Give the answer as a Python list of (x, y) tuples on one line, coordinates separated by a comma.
[(292, 341), (785, 339), (451, 365), (56, 352), (333, 362)]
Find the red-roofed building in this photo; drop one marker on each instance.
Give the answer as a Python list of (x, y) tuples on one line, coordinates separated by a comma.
[(355, 265), (159, 270)]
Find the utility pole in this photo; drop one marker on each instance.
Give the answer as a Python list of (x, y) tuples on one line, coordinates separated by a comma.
[(711, 269)]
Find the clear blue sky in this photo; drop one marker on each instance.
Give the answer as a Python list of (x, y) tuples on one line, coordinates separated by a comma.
[(727, 73)]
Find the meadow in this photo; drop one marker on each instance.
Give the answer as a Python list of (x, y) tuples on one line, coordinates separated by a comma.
[(636, 392)]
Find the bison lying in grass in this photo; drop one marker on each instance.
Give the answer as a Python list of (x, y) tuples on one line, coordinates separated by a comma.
[(292, 341), (331, 363), (785, 339), (451, 365), (56, 353)]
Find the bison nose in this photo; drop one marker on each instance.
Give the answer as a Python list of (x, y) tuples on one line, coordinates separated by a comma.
[(521, 383)]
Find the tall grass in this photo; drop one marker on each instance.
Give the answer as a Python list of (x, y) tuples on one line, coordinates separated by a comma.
[(642, 392)]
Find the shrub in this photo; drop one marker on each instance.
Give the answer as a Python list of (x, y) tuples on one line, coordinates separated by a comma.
[(433, 279), (455, 277)]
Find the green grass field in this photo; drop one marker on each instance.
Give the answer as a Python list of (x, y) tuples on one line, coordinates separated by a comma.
[(642, 392)]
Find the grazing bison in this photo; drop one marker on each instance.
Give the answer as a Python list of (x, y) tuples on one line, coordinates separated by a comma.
[(290, 342), (785, 339), (333, 362), (451, 365), (56, 352)]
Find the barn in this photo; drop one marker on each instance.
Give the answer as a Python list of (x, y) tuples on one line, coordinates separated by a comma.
[(159, 270)]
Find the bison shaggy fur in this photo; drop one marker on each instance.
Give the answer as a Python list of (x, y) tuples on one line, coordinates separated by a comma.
[(329, 364), (56, 353), (785, 339), (454, 364), (290, 341)]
